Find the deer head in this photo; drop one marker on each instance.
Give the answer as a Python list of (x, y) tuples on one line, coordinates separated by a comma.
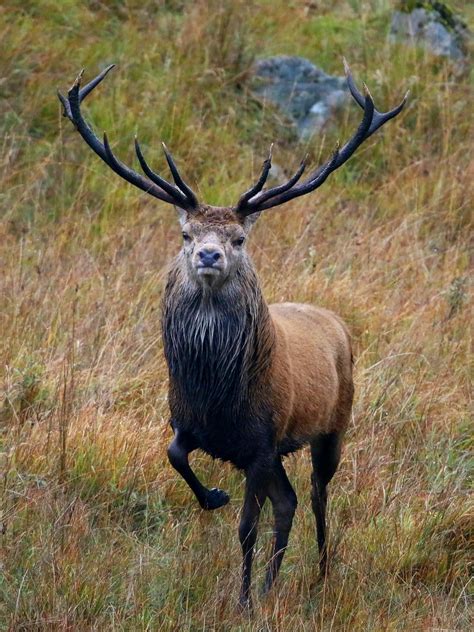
[(214, 237)]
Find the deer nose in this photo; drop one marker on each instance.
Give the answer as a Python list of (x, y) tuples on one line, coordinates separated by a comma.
[(209, 256)]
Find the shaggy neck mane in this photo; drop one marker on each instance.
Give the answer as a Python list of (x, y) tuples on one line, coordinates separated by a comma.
[(217, 343)]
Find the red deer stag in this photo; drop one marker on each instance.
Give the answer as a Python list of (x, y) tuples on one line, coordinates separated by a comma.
[(249, 382)]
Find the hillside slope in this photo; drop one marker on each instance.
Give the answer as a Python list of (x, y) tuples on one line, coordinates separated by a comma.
[(99, 531)]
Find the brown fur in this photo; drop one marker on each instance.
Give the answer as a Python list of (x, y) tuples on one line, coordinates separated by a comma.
[(312, 371)]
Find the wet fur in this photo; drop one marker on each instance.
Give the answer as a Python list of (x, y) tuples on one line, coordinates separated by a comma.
[(218, 346)]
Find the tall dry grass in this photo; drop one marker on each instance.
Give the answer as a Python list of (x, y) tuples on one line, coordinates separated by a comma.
[(98, 532)]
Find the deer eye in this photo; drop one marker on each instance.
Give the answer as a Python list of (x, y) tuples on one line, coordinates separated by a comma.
[(239, 241), (186, 236)]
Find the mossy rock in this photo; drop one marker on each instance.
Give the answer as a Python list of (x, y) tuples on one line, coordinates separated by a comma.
[(434, 26), (445, 14)]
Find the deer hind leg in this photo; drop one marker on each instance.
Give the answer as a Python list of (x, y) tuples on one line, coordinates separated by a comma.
[(325, 454), (178, 451), (284, 502)]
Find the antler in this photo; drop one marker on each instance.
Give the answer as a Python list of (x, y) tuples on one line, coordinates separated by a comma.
[(256, 200), (180, 195)]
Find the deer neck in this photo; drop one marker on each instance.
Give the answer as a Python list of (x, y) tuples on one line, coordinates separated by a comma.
[(218, 344)]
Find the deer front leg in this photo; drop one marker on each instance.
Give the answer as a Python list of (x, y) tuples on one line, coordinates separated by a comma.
[(256, 485), (178, 451)]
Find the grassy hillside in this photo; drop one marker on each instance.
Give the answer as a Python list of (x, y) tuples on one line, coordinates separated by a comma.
[(99, 533)]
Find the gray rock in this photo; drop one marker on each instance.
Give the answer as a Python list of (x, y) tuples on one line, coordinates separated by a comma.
[(300, 90), (426, 27)]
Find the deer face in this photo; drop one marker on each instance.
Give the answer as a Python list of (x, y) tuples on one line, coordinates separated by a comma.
[(213, 245)]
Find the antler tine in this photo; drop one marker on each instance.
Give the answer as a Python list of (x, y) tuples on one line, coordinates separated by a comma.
[(258, 186), (92, 84), (351, 84), (129, 175), (188, 192), (379, 118), (155, 177), (162, 190), (266, 195), (371, 121), (83, 92), (314, 181)]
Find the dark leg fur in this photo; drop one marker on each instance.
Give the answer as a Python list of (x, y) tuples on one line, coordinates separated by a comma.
[(284, 501), (325, 454), (178, 452), (256, 487)]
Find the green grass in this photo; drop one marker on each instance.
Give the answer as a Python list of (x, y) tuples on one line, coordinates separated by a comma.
[(99, 533)]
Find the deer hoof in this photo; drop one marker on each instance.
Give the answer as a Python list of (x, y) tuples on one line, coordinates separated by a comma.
[(215, 498)]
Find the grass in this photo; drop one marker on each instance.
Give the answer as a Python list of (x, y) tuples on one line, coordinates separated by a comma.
[(98, 532)]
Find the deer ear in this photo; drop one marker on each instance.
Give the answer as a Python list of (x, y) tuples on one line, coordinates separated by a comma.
[(182, 215), (250, 220)]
